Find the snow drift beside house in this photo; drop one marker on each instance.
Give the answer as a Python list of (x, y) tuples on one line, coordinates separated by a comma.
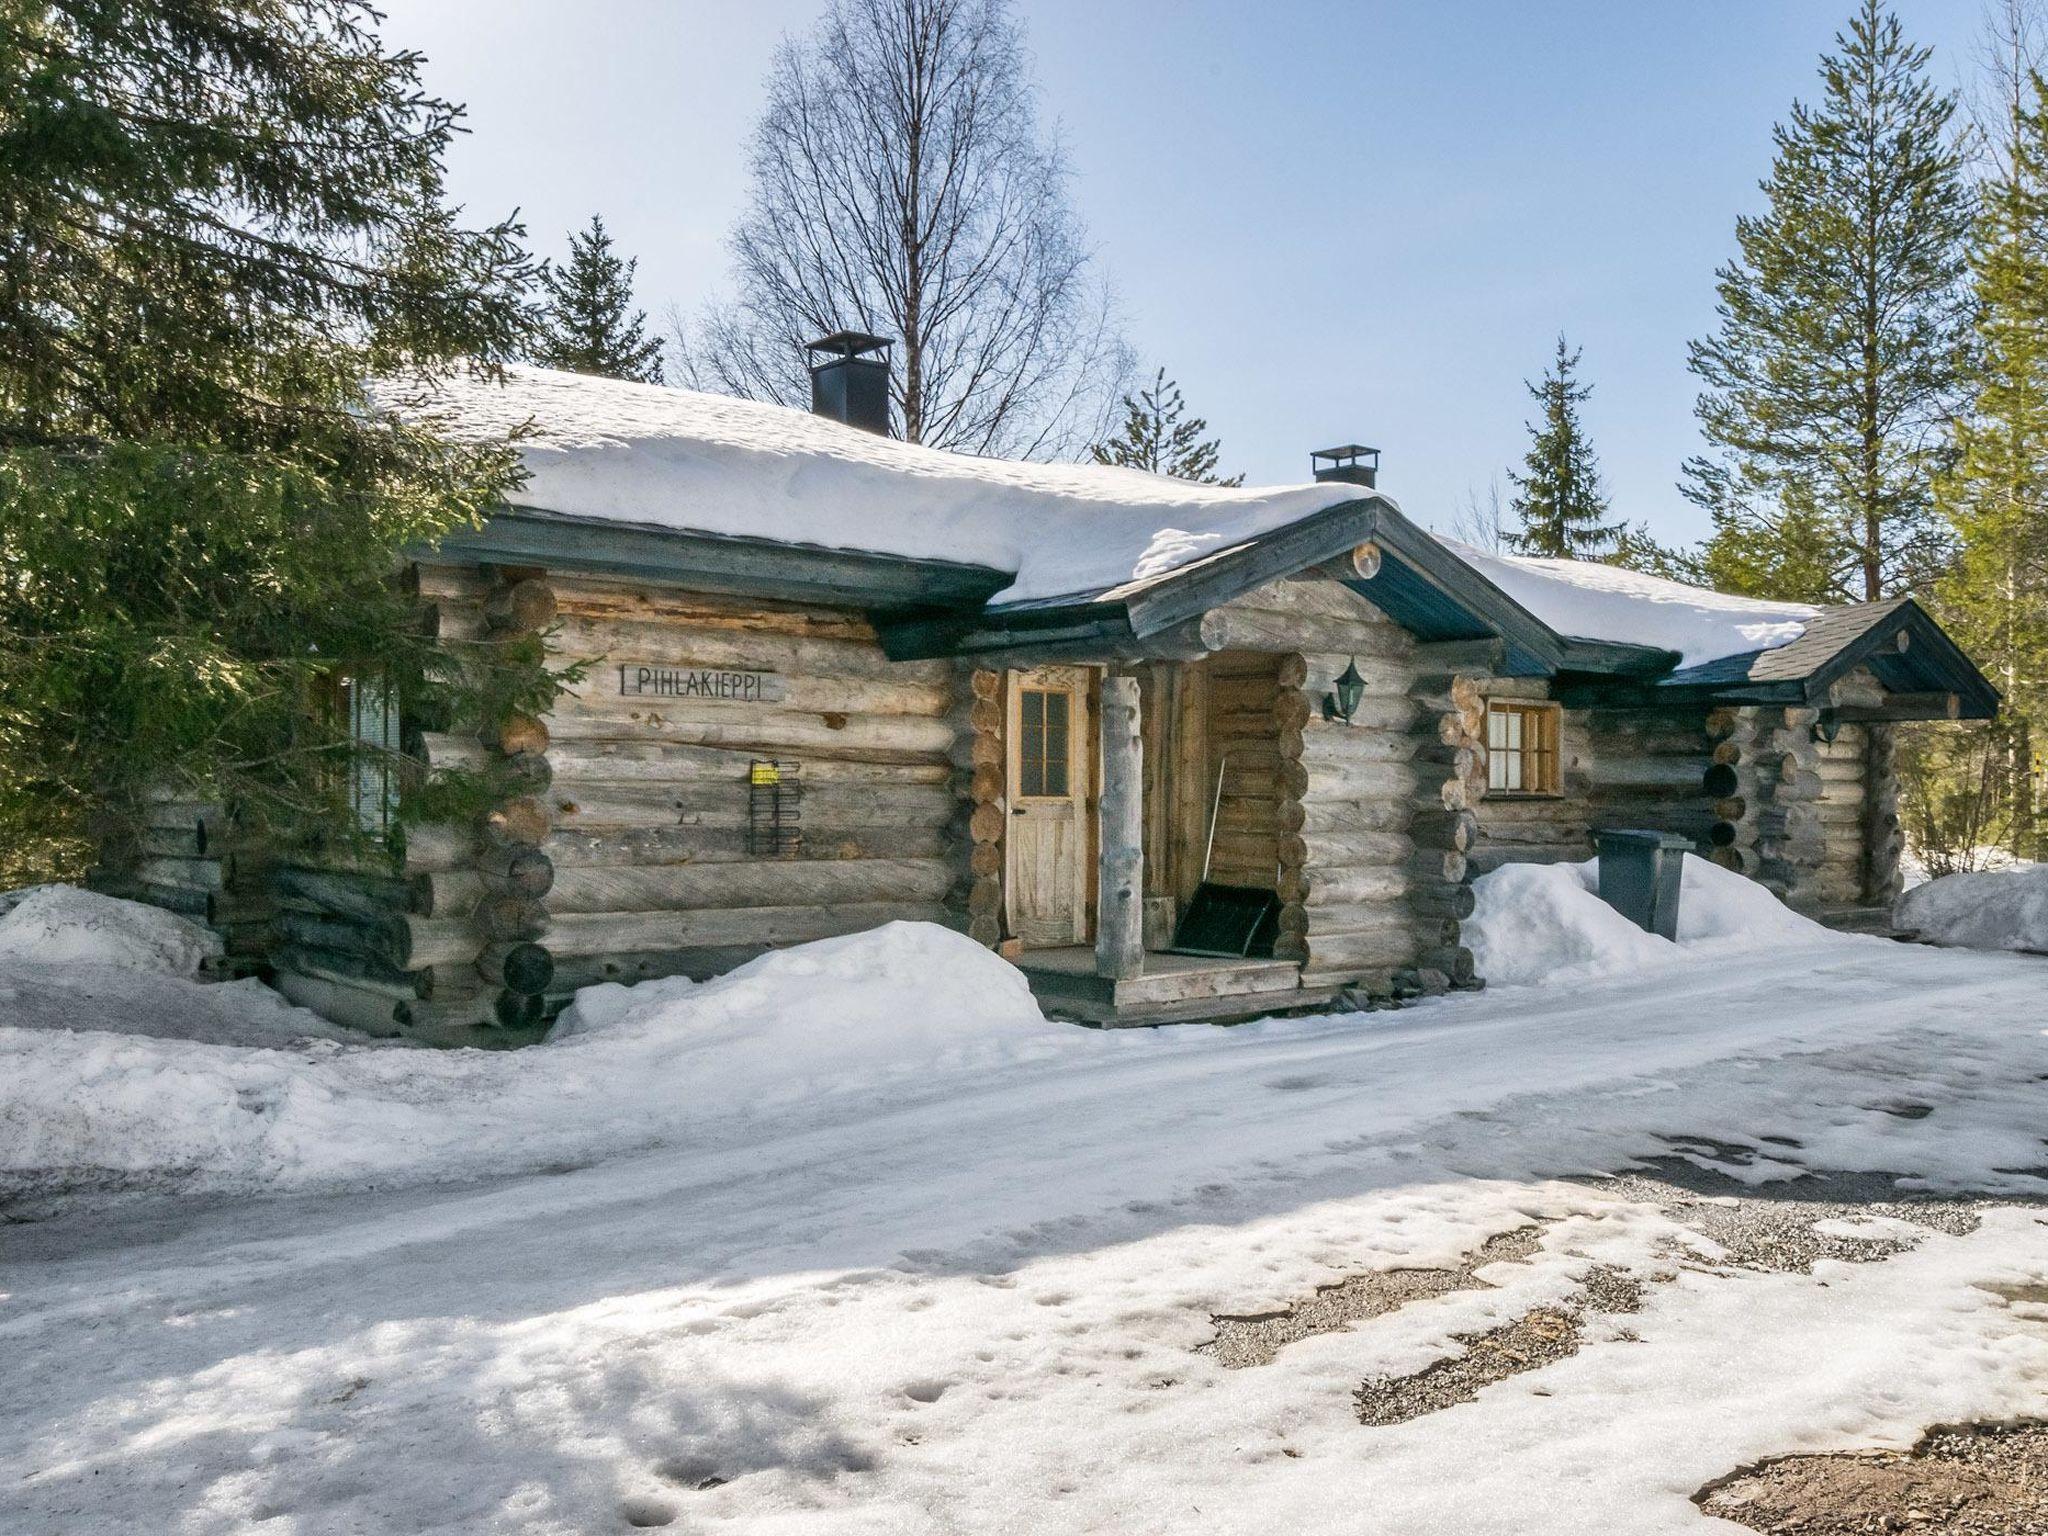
[(1585, 600), (1994, 909), (627, 1068), (1546, 922), (63, 925), (674, 458)]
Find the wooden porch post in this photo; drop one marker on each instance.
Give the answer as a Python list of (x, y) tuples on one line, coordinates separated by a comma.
[(1120, 900)]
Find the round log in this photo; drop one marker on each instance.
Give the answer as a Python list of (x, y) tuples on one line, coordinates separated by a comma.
[(523, 821), (1454, 961), (1342, 952), (425, 941), (438, 846), (761, 883), (1454, 830), (508, 916), (369, 972), (520, 733), (1429, 867), (591, 933), (523, 606), (518, 1010), (522, 967), (985, 897), (447, 892), (1720, 781), (1452, 901)]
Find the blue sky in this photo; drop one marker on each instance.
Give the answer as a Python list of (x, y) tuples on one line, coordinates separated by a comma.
[(1330, 221)]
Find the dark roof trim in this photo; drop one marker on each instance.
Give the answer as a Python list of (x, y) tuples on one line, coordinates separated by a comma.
[(1837, 643), (1120, 624), (1431, 568), (734, 565)]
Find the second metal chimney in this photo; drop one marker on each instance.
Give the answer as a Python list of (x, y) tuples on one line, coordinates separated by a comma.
[(850, 379), (1352, 461)]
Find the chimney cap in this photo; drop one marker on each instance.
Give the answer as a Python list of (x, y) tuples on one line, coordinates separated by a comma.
[(1353, 463), (849, 344), (1344, 452)]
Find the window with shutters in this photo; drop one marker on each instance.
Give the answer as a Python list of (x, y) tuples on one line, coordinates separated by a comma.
[(1044, 716), (1522, 749)]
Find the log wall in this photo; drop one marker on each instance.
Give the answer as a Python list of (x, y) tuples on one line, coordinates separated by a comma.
[(194, 858), (649, 796), (440, 940), (1347, 799), (1535, 829)]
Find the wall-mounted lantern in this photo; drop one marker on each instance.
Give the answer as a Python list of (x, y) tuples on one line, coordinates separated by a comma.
[(1343, 703), (1827, 727)]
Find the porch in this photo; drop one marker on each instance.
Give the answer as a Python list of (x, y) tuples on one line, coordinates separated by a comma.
[(1171, 989)]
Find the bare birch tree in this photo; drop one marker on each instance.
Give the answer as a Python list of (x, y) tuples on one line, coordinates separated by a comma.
[(902, 185)]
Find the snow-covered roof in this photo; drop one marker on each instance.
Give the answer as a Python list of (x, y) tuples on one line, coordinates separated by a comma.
[(672, 458), (645, 455), (1583, 600)]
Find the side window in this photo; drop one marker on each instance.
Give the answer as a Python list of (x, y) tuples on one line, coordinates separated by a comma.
[(1044, 716), (371, 710), (1522, 755)]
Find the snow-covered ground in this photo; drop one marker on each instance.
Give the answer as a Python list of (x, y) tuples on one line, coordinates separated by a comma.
[(853, 1242)]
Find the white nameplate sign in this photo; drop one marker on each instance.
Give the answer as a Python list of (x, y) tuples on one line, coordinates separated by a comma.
[(716, 683)]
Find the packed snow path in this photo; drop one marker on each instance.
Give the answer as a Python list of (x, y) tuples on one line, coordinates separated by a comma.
[(973, 1299)]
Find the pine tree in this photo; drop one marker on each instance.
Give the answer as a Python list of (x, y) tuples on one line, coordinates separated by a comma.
[(1636, 549), (589, 324), (218, 221), (1995, 597), (1558, 495), (1158, 435), (1841, 340)]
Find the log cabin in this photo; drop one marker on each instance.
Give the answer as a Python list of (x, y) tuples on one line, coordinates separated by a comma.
[(1178, 751)]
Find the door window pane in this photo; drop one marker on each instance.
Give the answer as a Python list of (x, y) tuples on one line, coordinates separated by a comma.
[(1044, 717)]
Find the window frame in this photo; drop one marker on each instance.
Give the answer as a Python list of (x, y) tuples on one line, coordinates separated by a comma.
[(1050, 766), (1547, 719), (368, 710)]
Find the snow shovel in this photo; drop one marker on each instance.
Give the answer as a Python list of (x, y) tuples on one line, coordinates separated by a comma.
[(1226, 922)]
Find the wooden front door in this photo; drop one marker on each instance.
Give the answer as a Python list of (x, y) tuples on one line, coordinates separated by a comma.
[(1051, 790)]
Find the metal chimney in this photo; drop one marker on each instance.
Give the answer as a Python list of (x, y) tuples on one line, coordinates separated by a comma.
[(1352, 461), (850, 379)]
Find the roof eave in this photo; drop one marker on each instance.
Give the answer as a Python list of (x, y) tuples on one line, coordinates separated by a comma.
[(732, 564)]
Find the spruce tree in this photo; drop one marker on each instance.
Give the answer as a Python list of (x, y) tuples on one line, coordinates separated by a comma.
[(1995, 596), (1558, 496), (1838, 355), (589, 324), (1158, 435), (218, 220)]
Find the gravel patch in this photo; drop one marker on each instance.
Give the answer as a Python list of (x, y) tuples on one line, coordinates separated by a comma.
[(1960, 1480), (1255, 1338), (1789, 1226), (1539, 1337)]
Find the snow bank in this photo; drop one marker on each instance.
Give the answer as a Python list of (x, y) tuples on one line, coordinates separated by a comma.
[(1996, 909), (63, 925), (1589, 601), (674, 458), (628, 1068), (1546, 922), (817, 1018)]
